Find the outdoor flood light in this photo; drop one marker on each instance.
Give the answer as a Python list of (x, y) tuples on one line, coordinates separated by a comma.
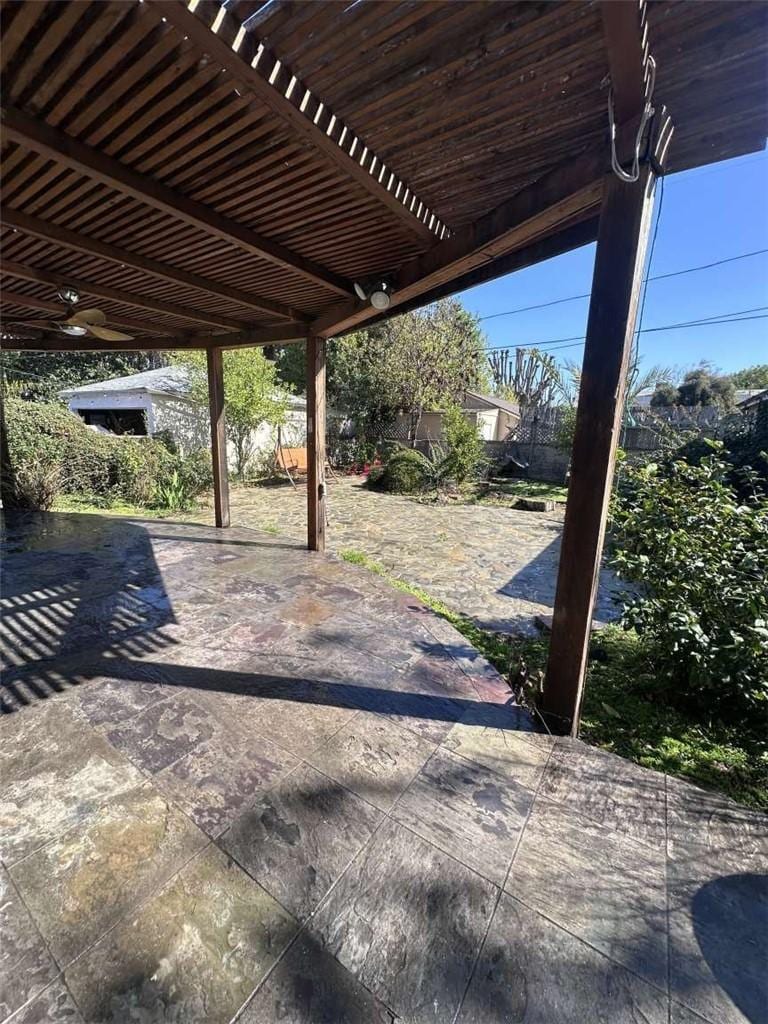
[(379, 293)]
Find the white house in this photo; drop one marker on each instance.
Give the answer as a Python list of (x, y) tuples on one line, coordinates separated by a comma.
[(495, 419), (143, 404)]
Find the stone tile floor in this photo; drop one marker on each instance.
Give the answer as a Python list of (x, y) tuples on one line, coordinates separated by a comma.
[(498, 565), (240, 781)]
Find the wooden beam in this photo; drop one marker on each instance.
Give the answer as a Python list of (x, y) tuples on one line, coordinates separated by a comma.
[(572, 237), (625, 223), (103, 291), (625, 30), (568, 192), (284, 334), (48, 232), (218, 436), (307, 117), (12, 298), (69, 152), (316, 505)]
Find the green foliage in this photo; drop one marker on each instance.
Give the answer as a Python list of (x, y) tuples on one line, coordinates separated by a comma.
[(698, 552), (411, 363), (173, 493), (566, 429), (166, 437), (699, 387), (47, 442), (664, 397), (407, 472), (51, 435), (627, 707), (35, 486), (630, 709), (465, 450), (751, 377), (39, 376), (252, 397)]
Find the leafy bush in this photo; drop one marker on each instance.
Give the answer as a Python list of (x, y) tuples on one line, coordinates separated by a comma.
[(699, 554), (35, 486), (47, 442), (466, 452), (196, 471), (136, 466), (407, 472), (172, 493)]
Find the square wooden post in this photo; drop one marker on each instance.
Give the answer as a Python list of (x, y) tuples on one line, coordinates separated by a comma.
[(218, 436), (316, 443), (625, 222)]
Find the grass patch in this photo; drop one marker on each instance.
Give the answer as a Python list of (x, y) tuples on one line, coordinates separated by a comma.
[(532, 489), (626, 706), (76, 503)]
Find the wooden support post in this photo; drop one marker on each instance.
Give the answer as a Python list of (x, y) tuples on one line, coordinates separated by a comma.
[(218, 436), (625, 221), (316, 443)]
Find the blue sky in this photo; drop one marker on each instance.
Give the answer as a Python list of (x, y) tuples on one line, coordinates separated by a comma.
[(707, 214)]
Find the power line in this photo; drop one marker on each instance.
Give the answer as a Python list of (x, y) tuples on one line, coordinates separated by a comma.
[(721, 318), (656, 277)]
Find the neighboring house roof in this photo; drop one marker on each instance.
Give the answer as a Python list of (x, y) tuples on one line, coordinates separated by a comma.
[(474, 400), (753, 397), (166, 380)]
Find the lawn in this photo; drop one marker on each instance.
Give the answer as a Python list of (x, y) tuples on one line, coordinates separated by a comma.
[(625, 710)]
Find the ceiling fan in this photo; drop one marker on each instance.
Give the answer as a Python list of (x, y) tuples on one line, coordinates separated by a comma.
[(82, 322)]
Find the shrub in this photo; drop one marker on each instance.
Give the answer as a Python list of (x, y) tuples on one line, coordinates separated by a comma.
[(466, 452), (407, 472), (196, 471), (698, 552), (47, 442), (136, 467), (36, 486), (52, 436), (172, 493)]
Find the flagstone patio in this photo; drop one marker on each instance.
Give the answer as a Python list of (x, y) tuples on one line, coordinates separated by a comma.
[(494, 563), (239, 780)]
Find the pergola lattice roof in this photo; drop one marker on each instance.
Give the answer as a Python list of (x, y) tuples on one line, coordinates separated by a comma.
[(231, 170)]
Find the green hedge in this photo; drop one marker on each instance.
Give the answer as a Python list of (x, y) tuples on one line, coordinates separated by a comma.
[(41, 436), (407, 472)]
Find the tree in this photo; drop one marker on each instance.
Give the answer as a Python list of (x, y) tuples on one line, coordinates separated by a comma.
[(411, 363), (700, 386), (664, 396), (532, 378), (40, 376), (751, 377), (252, 397)]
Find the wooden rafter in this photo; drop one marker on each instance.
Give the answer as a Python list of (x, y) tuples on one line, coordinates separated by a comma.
[(68, 239), (284, 334), (220, 34), (626, 37), (69, 152), (571, 191), (102, 291)]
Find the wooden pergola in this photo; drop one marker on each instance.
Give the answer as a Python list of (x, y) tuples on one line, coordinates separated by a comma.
[(217, 175)]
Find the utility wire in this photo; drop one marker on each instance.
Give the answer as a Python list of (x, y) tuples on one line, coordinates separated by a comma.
[(656, 277), (721, 318)]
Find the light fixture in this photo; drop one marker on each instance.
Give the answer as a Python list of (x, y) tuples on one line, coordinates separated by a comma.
[(378, 292), (69, 295), (74, 329)]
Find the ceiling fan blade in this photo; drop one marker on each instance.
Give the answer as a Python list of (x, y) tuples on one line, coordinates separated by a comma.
[(84, 317), (107, 334)]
